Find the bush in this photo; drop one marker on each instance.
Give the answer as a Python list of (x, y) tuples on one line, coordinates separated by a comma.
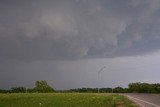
[(18, 90)]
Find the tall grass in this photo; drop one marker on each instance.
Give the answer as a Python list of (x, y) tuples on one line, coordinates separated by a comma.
[(64, 100)]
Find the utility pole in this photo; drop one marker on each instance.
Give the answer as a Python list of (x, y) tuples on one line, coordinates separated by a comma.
[(26, 90), (99, 75)]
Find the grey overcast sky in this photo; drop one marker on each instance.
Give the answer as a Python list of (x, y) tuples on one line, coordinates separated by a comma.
[(66, 42)]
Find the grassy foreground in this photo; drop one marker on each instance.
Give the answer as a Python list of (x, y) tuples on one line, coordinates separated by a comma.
[(64, 100)]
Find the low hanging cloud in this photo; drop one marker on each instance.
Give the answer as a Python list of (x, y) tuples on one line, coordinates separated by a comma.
[(77, 29)]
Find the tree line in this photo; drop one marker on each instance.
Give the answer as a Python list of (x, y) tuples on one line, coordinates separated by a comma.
[(43, 87), (144, 87), (40, 87), (137, 87)]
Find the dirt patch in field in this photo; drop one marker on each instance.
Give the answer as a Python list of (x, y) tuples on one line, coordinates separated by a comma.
[(119, 104)]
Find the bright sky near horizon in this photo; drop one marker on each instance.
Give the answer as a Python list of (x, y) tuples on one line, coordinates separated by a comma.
[(66, 42)]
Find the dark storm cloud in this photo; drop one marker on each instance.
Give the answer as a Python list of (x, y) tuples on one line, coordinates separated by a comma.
[(77, 29), (44, 40)]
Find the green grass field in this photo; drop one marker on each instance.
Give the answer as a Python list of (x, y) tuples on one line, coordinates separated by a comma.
[(64, 100)]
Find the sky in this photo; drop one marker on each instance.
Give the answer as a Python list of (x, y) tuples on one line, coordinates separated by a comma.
[(66, 42)]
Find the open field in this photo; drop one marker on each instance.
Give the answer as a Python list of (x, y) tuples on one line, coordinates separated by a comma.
[(64, 100)]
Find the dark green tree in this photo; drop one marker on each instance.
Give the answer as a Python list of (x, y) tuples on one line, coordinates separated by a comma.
[(42, 87), (144, 87), (118, 90)]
